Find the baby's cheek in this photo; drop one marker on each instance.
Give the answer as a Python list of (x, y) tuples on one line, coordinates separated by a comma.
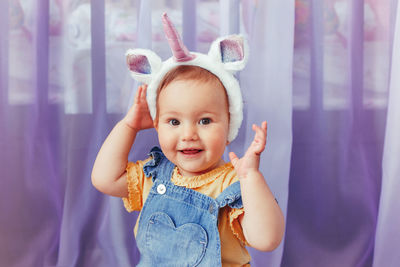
[(162, 139), (219, 144)]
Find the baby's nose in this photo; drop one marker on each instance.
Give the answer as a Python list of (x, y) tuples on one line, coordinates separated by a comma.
[(189, 133)]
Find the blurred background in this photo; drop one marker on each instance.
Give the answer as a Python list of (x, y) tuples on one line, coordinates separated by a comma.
[(323, 73)]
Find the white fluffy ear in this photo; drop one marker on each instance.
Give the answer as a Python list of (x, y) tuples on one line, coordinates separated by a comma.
[(143, 64), (232, 51)]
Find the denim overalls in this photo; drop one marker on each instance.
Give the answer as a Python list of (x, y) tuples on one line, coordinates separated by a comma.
[(179, 226)]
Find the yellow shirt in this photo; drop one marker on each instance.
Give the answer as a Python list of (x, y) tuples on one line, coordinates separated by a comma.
[(233, 242)]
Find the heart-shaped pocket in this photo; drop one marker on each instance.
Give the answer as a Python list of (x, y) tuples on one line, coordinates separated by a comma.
[(175, 246)]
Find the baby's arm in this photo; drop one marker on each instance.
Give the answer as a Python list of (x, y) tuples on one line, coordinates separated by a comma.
[(109, 174), (262, 221)]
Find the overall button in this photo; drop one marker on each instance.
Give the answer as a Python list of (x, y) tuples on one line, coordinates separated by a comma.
[(211, 208), (161, 189)]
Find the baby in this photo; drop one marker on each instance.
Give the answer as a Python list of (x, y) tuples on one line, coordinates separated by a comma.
[(195, 209)]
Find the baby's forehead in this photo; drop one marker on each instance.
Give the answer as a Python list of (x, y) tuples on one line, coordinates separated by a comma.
[(209, 83), (204, 88), (193, 95), (190, 73)]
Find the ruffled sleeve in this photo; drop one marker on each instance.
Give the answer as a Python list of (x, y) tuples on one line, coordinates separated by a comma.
[(235, 225), (134, 178)]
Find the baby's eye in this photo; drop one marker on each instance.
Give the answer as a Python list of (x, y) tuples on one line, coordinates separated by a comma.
[(174, 122), (205, 121)]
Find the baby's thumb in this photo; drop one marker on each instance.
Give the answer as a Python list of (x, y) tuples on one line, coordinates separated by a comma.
[(234, 159)]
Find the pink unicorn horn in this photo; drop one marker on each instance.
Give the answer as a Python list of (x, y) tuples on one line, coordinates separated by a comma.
[(179, 50)]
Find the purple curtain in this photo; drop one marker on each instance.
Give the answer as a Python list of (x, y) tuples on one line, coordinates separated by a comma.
[(324, 74)]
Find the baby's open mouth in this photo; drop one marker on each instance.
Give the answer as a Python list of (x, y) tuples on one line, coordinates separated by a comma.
[(190, 151)]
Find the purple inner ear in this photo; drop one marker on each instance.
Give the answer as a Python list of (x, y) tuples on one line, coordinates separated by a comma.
[(139, 64), (231, 50)]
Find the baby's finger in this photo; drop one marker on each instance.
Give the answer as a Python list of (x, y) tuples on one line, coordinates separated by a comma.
[(143, 93), (259, 141), (137, 95), (233, 158), (264, 126), (260, 133)]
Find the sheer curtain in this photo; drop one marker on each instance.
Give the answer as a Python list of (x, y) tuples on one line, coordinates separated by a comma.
[(322, 73), (387, 231), (342, 66)]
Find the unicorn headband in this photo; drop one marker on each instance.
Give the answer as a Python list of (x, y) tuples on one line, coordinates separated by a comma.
[(226, 56)]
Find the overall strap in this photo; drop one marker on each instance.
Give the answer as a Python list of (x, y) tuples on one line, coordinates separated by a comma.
[(158, 167), (166, 168), (231, 196)]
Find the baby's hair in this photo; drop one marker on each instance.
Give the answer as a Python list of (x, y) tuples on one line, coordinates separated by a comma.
[(192, 73), (188, 72)]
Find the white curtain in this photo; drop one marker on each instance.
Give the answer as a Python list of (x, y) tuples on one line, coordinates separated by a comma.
[(388, 227)]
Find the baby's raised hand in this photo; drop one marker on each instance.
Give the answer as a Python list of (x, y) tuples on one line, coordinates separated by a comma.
[(138, 116), (251, 159)]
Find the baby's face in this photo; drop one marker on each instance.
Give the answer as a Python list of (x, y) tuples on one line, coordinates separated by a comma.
[(193, 122)]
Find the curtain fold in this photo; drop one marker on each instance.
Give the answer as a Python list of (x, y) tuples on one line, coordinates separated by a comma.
[(4, 28), (387, 232), (267, 90), (338, 134), (322, 73)]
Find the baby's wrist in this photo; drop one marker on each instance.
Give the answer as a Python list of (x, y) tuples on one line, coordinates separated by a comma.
[(125, 123), (250, 174)]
